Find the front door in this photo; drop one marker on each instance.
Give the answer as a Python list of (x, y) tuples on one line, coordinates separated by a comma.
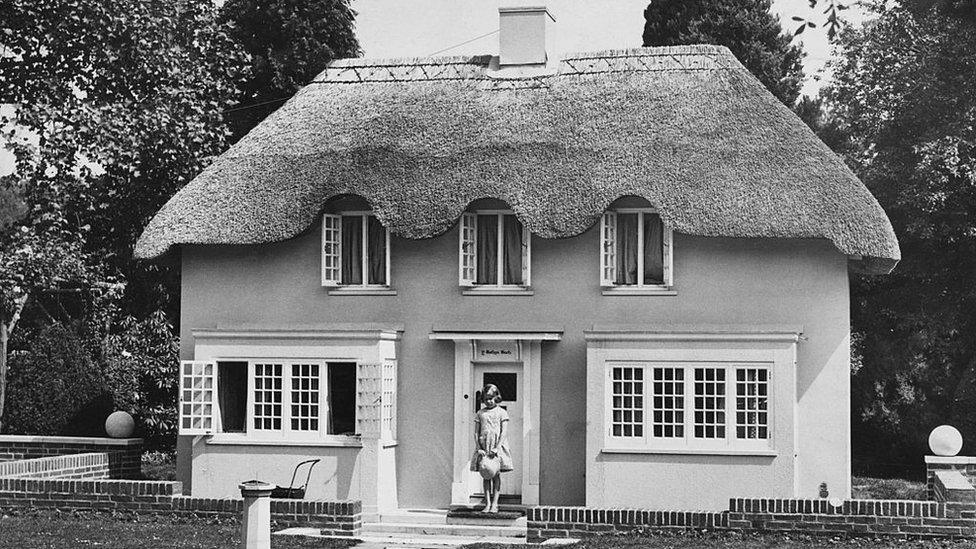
[(508, 378)]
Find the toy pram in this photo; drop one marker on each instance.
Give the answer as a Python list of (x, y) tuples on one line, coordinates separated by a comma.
[(292, 492)]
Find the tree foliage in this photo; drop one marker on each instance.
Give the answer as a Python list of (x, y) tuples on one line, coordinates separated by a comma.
[(289, 42), (746, 27), (63, 400), (125, 100), (903, 99)]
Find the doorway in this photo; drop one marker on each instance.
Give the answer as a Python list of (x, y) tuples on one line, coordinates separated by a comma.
[(508, 378)]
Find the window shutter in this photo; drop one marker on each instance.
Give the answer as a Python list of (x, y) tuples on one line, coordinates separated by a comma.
[(526, 257), (666, 247), (331, 250), (468, 250), (608, 249), (198, 391)]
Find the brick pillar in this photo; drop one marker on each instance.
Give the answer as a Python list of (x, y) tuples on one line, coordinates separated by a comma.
[(964, 465)]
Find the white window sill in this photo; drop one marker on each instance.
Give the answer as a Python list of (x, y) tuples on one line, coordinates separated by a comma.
[(639, 290), (244, 440), (498, 290), (693, 451), (362, 290)]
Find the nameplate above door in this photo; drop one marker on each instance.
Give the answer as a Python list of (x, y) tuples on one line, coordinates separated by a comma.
[(497, 351)]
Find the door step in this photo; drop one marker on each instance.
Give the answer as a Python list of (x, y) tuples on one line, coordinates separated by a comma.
[(380, 541), (513, 532)]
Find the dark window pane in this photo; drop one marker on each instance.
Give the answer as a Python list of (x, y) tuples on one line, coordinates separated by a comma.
[(512, 251), (626, 249), (653, 249), (376, 251), (342, 398), (352, 249), (487, 249), (507, 384), (232, 396)]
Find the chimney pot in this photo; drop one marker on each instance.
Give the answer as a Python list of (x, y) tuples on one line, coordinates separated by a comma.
[(522, 35)]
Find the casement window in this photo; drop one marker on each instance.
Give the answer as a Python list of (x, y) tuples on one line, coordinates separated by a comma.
[(494, 250), (355, 250), (675, 406), (635, 250), (270, 398)]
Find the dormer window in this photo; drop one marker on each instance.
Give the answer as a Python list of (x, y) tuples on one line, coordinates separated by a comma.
[(635, 250), (355, 250), (494, 250)]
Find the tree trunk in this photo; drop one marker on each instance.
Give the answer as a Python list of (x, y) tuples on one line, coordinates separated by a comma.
[(6, 327), (4, 335)]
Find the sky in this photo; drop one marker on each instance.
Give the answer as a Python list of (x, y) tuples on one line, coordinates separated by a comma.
[(416, 28)]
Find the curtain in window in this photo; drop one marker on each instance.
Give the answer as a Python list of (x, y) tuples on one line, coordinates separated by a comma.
[(626, 248), (376, 252), (512, 242), (341, 391), (352, 249), (653, 249), (487, 249)]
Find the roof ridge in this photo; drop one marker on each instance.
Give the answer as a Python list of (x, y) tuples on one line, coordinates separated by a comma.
[(695, 57)]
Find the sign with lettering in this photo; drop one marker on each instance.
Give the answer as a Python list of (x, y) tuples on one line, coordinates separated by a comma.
[(496, 351)]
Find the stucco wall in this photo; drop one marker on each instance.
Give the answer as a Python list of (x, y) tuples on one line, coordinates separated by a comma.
[(718, 281)]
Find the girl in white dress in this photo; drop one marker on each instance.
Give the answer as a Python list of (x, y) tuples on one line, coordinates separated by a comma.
[(491, 440)]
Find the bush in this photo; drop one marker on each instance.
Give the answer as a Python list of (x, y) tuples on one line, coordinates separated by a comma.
[(54, 388), (142, 365)]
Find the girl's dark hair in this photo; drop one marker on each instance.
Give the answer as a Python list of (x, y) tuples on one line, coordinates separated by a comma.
[(490, 391)]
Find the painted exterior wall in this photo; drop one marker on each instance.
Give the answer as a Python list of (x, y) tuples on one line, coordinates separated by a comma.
[(718, 281)]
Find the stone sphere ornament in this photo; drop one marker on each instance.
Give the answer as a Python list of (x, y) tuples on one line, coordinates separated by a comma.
[(120, 425), (945, 440)]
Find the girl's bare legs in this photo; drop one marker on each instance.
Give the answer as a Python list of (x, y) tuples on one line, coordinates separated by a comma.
[(487, 485), (497, 488)]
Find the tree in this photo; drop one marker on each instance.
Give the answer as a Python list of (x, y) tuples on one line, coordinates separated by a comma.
[(33, 262), (746, 27), (289, 43), (902, 93), (123, 102), (125, 99)]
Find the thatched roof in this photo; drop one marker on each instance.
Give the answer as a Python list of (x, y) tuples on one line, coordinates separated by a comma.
[(687, 128)]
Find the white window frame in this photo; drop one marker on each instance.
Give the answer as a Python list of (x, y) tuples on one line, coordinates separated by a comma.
[(286, 433), (468, 247), (331, 265), (689, 442), (608, 237)]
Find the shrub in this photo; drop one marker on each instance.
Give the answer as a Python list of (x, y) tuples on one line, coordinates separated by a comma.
[(142, 365), (54, 388)]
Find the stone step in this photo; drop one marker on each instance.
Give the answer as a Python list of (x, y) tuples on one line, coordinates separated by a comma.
[(414, 516), (407, 541), (400, 529)]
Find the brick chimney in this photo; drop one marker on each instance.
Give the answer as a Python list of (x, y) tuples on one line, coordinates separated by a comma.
[(522, 35)]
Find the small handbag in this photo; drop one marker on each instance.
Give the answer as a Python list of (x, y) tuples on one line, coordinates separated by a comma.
[(489, 467)]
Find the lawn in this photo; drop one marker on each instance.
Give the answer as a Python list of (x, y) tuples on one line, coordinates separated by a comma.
[(54, 530)]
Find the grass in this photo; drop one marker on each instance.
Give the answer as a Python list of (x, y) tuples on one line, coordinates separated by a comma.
[(54, 530), (732, 540), (886, 488)]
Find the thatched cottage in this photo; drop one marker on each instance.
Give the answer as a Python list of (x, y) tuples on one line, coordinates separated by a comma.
[(643, 249)]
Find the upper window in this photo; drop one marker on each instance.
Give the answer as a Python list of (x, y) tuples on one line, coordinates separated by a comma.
[(674, 406), (635, 249), (494, 250), (355, 250)]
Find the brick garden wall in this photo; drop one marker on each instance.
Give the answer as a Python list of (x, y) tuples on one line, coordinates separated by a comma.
[(125, 454), (165, 498), (76, 466), (808, 516)]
